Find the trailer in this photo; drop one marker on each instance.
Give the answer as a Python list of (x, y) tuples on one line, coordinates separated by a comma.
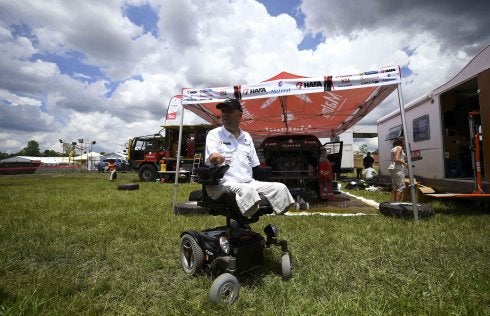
[(449, 130)]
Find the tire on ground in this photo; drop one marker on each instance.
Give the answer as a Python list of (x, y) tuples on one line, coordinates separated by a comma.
[(405, 209), (189, 208), (128, 186)]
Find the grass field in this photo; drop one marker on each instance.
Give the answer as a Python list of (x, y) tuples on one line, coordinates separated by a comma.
[(73, 244)]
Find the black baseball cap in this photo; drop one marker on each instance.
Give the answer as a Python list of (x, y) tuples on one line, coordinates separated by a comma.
[(230, 103)]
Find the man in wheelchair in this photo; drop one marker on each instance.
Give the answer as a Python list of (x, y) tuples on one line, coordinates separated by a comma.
[(229, 189), (232, 146)]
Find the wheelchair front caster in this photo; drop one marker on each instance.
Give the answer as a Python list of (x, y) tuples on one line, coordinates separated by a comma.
[(286, 266), (225, 289)]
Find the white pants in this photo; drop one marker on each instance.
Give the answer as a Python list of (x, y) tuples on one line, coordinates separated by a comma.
[(247, 195)]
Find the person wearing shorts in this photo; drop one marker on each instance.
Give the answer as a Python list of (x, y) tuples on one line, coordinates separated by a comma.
[(397, 170)]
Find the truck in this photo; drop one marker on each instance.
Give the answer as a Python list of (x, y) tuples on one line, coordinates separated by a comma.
[(303, 164), (449, 130), (155, 156)]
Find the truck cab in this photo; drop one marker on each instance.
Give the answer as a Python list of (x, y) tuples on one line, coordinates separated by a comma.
[(144, 155), (155, 156)]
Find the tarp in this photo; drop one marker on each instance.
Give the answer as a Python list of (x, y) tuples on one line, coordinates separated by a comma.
[(291, 104)]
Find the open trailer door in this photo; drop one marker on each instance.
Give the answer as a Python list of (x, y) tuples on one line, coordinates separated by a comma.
[(334, 155)]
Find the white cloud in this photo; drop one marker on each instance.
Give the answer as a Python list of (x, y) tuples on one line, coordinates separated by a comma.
[(202, 44), (16, 100), (18, 48), (40, 69)]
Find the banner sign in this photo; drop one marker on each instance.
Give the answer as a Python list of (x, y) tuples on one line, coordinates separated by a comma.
[(284, 87), (173, 109)]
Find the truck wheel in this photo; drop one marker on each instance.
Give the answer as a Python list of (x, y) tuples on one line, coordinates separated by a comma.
[(148, 173), (404, 210), (189, 208)]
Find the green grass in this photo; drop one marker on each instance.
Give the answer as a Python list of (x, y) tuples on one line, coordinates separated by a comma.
[(74, 244)]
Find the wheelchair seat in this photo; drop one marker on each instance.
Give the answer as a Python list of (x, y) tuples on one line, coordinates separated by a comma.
[(226, 204)]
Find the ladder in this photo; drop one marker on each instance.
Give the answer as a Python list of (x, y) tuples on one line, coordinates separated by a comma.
[(196, 164)]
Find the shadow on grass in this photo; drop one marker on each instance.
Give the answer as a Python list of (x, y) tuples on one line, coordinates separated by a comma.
[(461, 207), (270, 268)]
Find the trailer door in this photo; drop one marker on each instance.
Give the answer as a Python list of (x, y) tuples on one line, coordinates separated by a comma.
[(334, 155)]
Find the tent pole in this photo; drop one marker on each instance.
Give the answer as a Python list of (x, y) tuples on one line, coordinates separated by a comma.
[(284, 107), (177, 164), (408, 152)]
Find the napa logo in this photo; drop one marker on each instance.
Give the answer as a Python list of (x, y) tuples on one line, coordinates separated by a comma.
[(309, 84), (254, 91)]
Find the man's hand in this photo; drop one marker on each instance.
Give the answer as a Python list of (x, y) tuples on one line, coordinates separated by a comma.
[(216, 159)]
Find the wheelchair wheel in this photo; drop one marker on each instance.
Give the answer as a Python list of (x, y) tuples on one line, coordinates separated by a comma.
[(286, 266), (225, 289), (191, 255)]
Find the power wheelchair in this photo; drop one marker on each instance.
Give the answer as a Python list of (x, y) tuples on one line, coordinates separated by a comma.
[(227, 251)]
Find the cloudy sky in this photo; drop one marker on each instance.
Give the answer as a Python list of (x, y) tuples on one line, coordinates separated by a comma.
[(106, 70)]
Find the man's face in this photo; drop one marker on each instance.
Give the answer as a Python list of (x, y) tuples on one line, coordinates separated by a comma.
[(231, 117)]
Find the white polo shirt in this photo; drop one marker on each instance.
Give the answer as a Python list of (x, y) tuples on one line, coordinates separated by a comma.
[(239, 153)]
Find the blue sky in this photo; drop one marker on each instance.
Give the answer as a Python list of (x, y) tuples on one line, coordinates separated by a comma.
[(106, 70)]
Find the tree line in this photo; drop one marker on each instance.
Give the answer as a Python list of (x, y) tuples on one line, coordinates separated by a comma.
[(32, 149)]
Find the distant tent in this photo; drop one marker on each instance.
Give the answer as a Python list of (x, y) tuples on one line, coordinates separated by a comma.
[(19, 165), (89, 156)]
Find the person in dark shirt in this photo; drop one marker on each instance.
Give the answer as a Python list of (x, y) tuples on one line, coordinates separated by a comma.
[(368, 161)]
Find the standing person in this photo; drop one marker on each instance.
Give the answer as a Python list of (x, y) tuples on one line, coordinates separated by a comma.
[(358, 165), (230, 145), (358, 173), (368, 161), (397, 170), (112, 168)]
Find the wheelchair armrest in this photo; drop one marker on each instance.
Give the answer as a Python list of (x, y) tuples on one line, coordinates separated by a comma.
[(262, 173), (206, 175)]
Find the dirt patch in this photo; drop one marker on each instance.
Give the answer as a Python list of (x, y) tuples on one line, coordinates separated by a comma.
[(341, 204)]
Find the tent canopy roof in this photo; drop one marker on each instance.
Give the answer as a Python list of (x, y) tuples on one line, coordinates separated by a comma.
[(293, 104)]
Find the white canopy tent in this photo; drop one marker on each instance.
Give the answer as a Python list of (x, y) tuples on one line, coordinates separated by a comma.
[(89, 156)]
